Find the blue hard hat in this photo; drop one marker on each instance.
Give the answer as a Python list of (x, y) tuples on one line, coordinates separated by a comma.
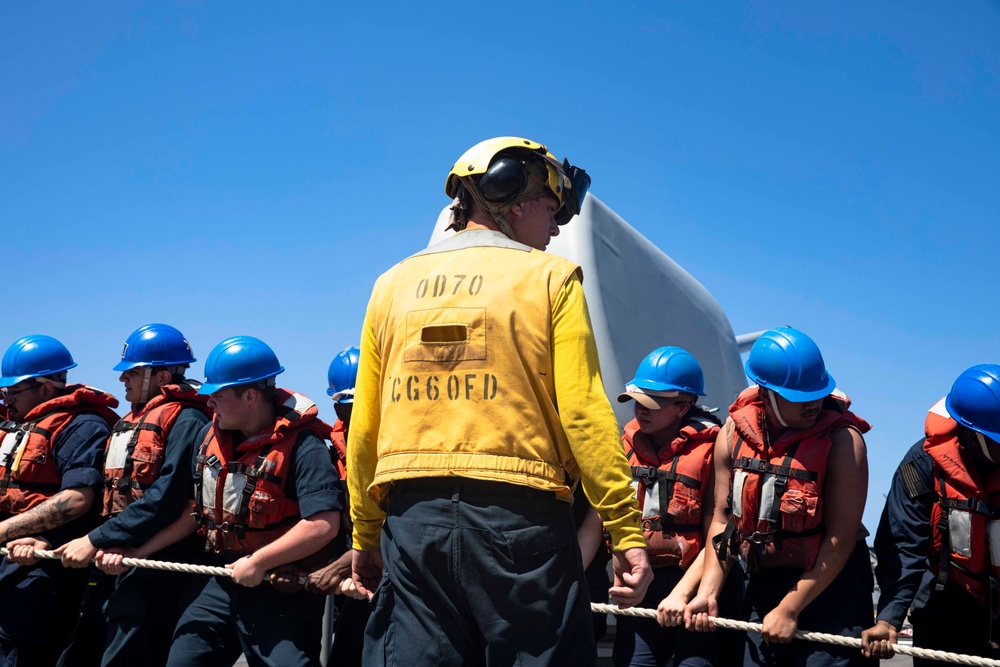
[(239, 360), (34, 356), (155, 345), (787, 361), (669, 369), (974, 400), (343, 374)]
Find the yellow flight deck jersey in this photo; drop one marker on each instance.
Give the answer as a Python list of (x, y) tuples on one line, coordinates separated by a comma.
[(478, 360)]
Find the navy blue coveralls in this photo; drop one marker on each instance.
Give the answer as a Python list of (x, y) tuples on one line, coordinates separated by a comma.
[(271, 628), (947, 620), (143, 609), (40, 603)]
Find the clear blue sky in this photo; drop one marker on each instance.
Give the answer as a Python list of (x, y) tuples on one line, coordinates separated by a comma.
[(252, 167)]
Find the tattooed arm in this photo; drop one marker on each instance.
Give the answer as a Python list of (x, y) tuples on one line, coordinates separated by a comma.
[(57, 511)]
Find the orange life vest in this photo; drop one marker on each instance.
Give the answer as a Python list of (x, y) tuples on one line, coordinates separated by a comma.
[(670, 488), (137, 446), (966, 516), (29, 473), (240, 499), (776, 489), (338, 452)]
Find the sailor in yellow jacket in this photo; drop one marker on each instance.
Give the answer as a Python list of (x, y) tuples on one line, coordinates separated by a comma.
[(478, 407)]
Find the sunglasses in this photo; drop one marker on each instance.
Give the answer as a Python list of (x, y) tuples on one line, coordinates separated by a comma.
[(10, 393)]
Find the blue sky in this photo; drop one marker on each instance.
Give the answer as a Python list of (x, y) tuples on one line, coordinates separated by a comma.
[(251, 168)]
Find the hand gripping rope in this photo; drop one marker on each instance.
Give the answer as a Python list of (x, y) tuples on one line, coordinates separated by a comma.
[(638, 612), (838, 640), (149, 564)]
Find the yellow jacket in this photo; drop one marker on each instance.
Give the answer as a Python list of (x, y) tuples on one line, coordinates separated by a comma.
[(478, 360)]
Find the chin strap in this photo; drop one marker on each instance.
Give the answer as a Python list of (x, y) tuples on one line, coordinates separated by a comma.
[(504, 226), (492, 211), (774, 406), (982, 445), (144, 394), (57, 381)]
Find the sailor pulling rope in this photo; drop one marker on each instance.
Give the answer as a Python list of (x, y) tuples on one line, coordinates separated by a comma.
[(725, 623), (822, 637)]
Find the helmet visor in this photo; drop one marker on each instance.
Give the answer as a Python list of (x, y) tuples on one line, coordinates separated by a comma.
[(573, 182)]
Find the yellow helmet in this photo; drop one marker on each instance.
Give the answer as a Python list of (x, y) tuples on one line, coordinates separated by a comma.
[(499, 169)]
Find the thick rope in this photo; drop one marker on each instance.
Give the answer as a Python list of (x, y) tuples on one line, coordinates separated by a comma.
[(638, 612), (150, 564), (838, 640)]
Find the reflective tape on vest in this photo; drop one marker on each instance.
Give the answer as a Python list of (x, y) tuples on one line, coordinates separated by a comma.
[(739, 477), (117, 453), (766, 498), (651, 501), (232, 492), (993, 531), (960, 532), (209, 482), (9, 447)]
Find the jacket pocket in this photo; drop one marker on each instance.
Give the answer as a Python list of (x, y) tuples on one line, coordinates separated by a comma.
[(261, 506), (685, 505), (798, 510), (146, 463)]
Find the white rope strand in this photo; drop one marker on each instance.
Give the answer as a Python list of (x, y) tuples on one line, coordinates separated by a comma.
[(149, 564), (838, 640)]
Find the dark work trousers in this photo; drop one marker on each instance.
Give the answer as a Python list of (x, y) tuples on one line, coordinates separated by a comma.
[(272, 629), (952, 620), (39, 607), (843, 608), (87, 644), (642, 642), (479, 573), (349, 633), (598, 583), (144, 608)]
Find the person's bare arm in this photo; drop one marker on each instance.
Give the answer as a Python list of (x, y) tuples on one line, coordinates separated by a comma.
[(327, 580), (706, 602), (109, 560), (57, 511), (303, 539), (844, 494), (590, 536)]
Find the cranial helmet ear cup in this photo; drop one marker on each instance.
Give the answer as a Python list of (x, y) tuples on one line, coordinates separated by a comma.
[(504, 180)]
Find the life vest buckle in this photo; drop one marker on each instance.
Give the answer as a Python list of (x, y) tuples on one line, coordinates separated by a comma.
[(758, 537)]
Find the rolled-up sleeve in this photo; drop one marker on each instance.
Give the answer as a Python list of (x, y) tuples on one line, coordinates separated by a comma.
[(79, 451), (317, 487)]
